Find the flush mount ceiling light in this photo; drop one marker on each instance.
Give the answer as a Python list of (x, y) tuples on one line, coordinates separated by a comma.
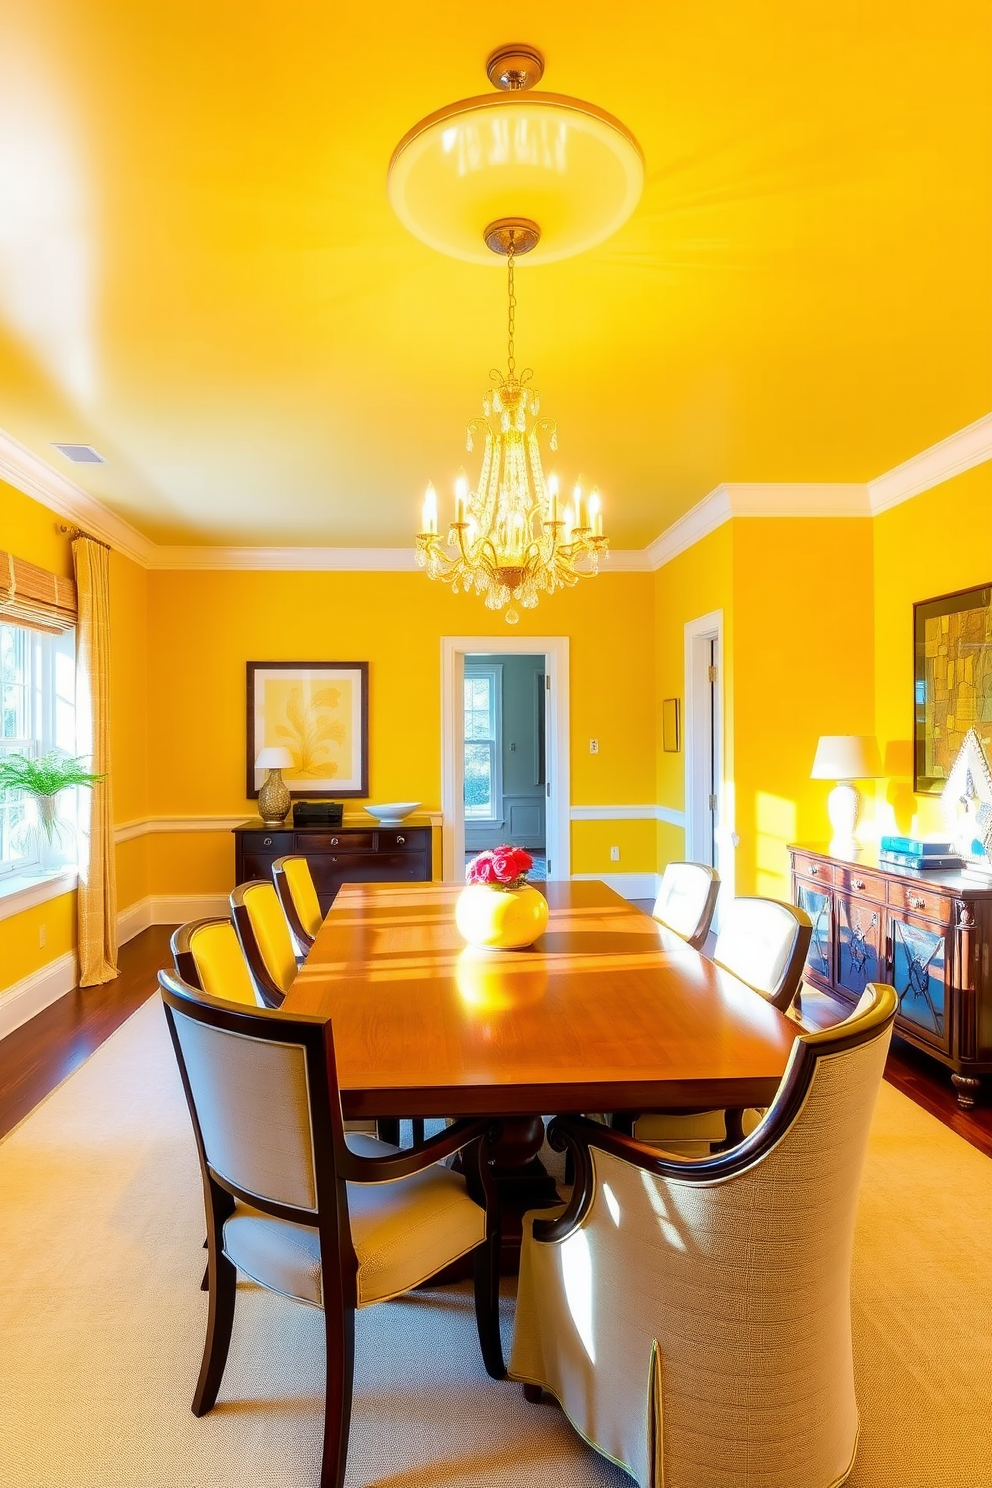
[(559, 162)]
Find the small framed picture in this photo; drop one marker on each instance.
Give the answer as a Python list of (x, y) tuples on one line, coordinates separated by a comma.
[(671, 725), (319, 711)]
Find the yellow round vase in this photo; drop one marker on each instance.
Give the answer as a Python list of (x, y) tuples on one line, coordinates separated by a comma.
[(501, 919)]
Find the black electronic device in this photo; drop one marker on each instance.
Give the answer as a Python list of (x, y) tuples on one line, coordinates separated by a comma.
[(318, 813)]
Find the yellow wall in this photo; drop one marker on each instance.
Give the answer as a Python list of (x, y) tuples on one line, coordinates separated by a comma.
[(939, 541), (204, 626), (30, 531), (803, 666), (817, 629)]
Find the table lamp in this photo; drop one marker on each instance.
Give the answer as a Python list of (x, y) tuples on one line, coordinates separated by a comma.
[(273, 794), (845, 758)]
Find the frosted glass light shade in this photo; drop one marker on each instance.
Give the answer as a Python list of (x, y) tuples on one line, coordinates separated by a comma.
[(846, 757), (275, 757), (562, 163)]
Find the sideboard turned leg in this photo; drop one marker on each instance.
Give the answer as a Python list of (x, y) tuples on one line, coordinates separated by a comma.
[(967, 1087)]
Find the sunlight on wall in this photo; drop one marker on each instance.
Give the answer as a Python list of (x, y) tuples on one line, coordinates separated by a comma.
[(775, 820)]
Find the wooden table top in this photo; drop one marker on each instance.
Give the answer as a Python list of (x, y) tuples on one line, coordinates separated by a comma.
[(606, 1012)]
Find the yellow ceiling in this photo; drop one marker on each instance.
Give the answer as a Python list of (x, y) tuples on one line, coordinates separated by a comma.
[(200, 273)]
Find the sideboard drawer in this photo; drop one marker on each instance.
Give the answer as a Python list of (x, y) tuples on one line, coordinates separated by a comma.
[(920, 899), (854, 881), (336, 842), (812, 868), (275, 843), (413, 839)]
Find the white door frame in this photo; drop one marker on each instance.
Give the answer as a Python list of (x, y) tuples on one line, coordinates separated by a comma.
[(698, 635), (454, 649)]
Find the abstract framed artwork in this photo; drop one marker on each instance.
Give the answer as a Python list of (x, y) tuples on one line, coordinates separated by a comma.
[(319, 711), (952, 637)]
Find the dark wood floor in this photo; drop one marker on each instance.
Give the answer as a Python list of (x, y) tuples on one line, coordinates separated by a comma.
[(42, 1052)]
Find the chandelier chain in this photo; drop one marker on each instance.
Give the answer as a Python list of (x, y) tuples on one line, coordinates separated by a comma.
[(511, 361)]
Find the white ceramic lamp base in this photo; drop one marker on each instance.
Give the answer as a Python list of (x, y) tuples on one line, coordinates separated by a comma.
[(844, 809)]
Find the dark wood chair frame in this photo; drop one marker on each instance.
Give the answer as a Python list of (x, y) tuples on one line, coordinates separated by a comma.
[(576, 1135), (335, 1166), (271, 994), (287, 901), (698, 939)]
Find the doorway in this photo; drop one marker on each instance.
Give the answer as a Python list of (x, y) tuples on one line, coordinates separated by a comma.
[(504, 760), (505, 791), (708, 795)]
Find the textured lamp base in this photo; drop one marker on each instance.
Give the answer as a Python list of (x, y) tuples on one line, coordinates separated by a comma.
[(844, 809), (273, 798)]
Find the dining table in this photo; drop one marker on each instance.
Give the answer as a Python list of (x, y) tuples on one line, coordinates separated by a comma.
[(606, 1011)]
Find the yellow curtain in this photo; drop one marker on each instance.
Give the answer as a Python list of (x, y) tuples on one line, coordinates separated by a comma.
[(97, 898)]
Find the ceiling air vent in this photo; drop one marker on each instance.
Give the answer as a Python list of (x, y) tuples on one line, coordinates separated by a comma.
[(80, 454)]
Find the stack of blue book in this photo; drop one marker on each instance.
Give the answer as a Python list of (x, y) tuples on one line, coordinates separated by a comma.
[(919, 852)]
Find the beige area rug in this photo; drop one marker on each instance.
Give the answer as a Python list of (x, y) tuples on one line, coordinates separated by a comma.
[(101, 1322)]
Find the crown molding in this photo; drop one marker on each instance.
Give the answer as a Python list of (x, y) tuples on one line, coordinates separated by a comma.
[(757, 499), (42, 482), (288, 560), (960, 451)]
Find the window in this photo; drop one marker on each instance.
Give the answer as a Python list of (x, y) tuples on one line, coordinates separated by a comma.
[(37, 713), (483, 749)]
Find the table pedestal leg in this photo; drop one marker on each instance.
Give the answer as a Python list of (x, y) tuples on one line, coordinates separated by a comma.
[(522, 1182)]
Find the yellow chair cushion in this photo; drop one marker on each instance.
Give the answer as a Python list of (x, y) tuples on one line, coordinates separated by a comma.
[(297, 871), (272, 933), (221, 965)]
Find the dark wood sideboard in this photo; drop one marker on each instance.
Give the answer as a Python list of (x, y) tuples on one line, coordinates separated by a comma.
[(354, 853), (929, 934)]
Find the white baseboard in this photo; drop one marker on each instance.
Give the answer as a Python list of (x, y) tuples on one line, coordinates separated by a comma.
[(168, 909), (630, 885), (32, 994)]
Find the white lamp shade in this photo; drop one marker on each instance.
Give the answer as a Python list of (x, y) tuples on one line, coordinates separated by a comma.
[(846, 757), (275, 757)]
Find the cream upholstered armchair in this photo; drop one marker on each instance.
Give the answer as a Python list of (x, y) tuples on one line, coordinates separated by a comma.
[(298, 897), (337, 1225), (686, 901), (694, 1318)]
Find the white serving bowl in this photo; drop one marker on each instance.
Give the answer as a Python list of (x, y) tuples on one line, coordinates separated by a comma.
[(392, 812)]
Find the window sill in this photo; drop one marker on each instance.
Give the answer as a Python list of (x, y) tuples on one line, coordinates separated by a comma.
[(24, 890)]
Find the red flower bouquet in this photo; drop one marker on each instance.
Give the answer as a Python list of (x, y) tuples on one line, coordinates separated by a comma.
[(503, 867)]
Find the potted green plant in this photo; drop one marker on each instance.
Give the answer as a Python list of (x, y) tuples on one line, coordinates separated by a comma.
[(44, 779)]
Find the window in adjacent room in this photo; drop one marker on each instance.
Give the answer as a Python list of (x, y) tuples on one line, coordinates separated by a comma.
[(483, 747), (37, 713)]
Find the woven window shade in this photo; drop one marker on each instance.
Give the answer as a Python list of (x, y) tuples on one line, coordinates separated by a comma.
[(34, 597)]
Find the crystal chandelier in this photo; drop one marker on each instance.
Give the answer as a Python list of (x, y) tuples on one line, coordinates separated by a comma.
[(511, 539)]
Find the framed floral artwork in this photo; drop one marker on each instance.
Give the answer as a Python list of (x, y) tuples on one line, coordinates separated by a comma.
[(319, 711)]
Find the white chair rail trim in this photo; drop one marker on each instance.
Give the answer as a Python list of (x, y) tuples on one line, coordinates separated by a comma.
[(669, 814)]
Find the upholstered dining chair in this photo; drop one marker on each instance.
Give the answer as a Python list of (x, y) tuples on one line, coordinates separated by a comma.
[(694, 1318), (762, 942), (298, 897), (686, 901), (334, 1224), (207, 954), (265, 939)]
